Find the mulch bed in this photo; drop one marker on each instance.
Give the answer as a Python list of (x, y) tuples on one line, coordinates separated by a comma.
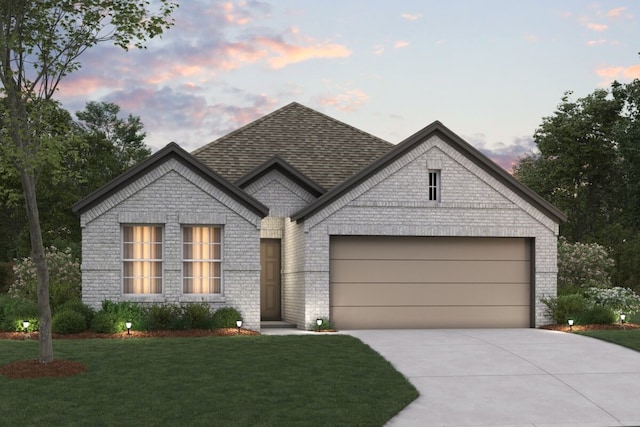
[(580, 328), (23, 369)]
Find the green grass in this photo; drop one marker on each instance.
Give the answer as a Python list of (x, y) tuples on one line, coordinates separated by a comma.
[(231, 381), (629, 339)]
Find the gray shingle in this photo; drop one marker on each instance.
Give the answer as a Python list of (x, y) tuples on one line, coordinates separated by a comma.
[(324, 149)]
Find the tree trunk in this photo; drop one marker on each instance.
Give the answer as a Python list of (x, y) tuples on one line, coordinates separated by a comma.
[(38, 256)]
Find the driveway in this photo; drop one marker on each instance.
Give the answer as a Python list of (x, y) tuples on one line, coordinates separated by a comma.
[(511, 377)]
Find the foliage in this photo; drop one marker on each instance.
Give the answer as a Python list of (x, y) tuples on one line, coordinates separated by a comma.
[(326, 325), (565, 307), (197, 316), (123, 312), (597, 315), (620, 300), (41, 42), (68, 322), (105, 322), (77, 306), (333, 381), (64, 276), (583, 265), (14, 310), (226, 317), (157, 317)]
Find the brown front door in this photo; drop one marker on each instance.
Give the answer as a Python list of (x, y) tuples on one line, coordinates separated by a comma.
[(270, 279)]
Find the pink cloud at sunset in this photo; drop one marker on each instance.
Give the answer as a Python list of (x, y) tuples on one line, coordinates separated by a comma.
[(411, 16), (613, 13), (597, 27), (350, 100), (400, 44), (288, 53), (610, 74)]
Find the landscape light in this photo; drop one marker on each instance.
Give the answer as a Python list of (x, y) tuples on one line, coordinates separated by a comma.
[(239, 325), (128, 325), (25, 325), (319, 322), (570, 321), (622, 317)]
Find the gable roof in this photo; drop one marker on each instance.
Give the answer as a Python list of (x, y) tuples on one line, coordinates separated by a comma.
[(323, 149), (278, 164), (434, 129), (171, 151)]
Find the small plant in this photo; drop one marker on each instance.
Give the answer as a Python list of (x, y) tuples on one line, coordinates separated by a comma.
[(105, 322), (597, 315), (77, 306), (158, 317), (226, 317), (68, 322), (197, 316), (565, 307), (13, 311), (325, 325)]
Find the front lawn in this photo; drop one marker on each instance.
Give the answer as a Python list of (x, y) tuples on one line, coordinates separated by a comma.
[(629, 338), (233, 381)]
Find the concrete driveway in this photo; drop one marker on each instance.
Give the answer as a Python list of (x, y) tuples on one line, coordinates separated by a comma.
[(511, 377)]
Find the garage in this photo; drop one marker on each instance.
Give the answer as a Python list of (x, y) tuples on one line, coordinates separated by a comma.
[(430, 282)]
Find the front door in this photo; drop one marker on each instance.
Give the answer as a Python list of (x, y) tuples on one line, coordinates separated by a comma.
[(270, 279)]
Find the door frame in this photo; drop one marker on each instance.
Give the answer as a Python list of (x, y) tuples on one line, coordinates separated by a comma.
[(276, 313)]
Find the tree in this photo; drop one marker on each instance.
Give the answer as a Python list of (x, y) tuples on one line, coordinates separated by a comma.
[(40, 43)]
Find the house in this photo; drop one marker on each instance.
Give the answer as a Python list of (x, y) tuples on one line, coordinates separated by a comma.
[(298, 216)]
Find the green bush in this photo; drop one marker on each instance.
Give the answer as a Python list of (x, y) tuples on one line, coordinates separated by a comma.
[(225, 317), (13, 311), (125, 311), (77, 306), (105, 322), (598, 315), (197, 316), (162, 317), (68, 322), (565, 307)]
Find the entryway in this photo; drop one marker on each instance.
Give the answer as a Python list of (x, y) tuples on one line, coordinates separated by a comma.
[(270, 283)]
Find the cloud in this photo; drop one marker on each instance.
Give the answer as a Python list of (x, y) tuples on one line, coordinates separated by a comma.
[(348, 100), (613, 13), (400, 44), (378, 49), (596, 42), (597, 27), (505, 155), (288, 53), (411, 16), (609, 74)]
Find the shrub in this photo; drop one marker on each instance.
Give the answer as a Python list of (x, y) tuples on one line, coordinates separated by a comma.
[(125, 311), (77, 306), (597, 314), (13, 311), (162, 317), (226, 317), (68, 322), (197, 316), (105, 322), (326, 325), (620, 300), (583, 265), (65, 279), (565, 307)]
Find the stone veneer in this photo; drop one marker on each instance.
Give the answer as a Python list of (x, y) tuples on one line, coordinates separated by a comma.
[(173, 195)]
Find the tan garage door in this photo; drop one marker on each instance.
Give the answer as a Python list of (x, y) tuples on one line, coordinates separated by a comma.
[(430, 282)]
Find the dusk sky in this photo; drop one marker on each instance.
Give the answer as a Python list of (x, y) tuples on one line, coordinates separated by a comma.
[(489, 70)]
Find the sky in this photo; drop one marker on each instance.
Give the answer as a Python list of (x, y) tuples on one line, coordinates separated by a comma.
[(489, 70)]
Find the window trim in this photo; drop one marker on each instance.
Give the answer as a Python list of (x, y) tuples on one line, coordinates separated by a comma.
[(183, 260), (161, 261)]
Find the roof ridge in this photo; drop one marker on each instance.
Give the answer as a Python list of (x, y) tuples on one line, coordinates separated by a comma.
[(247, 126), (279, 111)]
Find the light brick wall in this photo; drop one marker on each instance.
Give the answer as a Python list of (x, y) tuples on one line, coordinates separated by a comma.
[(394, 202), (172, 195), (283, 196)]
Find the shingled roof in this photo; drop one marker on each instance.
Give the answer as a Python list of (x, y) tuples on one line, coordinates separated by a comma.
[(324, 149)]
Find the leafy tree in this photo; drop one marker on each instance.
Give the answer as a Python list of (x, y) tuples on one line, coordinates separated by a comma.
[(40, 43), (582, 265)]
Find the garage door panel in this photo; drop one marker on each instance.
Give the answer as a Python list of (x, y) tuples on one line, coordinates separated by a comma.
[(431, 317), (384, 271), (422, 248), (429, 294)]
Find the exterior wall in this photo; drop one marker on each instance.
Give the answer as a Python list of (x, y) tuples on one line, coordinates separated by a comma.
[(293, 274), (279, 193), (172, 195), (394, 202)]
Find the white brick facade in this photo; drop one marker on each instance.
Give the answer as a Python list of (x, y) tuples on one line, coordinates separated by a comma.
[(172, 195)]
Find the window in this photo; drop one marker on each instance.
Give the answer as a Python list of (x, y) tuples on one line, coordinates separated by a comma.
[(434, 186), (202, 260), (142, 259)]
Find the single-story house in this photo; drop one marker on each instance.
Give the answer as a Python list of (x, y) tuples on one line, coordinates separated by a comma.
[(298, 216)]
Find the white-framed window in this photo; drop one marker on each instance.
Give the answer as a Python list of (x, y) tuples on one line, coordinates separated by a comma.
[(201, 260), (142, 259), (434, 185)]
